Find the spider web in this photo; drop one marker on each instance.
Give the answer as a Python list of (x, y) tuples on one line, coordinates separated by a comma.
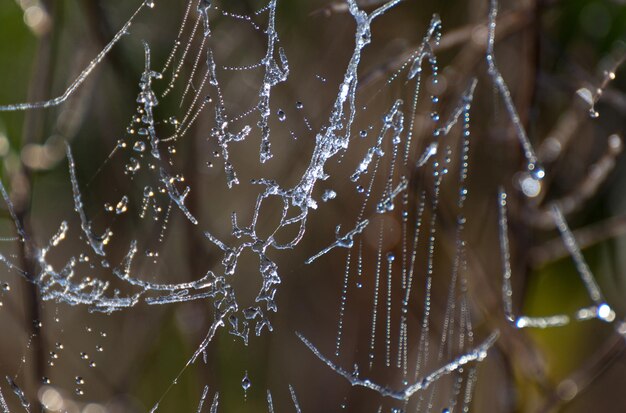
[(207, 211)]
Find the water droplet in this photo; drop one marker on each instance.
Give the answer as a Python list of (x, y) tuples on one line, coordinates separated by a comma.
[(79, 391), (363, 133), (79, 380), (92, 364), (299, 105), (605, 312), (6, 287), (139, 146), (281, 115), (122, 206), (245, 382), (45, 380), (360, 189), (536, 171), (84, 355), (133, 165), (99, 348)]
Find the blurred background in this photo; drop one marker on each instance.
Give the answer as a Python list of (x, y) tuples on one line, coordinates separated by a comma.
[(547, 50)]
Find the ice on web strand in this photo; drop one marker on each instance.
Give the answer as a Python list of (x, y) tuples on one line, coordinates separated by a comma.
[(601, 310), (85, 73), (58, 285), (476, 355), (345, 241), (533, 166)]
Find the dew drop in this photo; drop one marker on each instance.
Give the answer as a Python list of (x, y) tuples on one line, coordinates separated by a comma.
[(536, 171), (122, 205), (139, 146), (605, 312), (245, 383), (133, 165)]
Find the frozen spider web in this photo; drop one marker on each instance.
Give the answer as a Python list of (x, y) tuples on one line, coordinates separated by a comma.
[(403, 325)]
